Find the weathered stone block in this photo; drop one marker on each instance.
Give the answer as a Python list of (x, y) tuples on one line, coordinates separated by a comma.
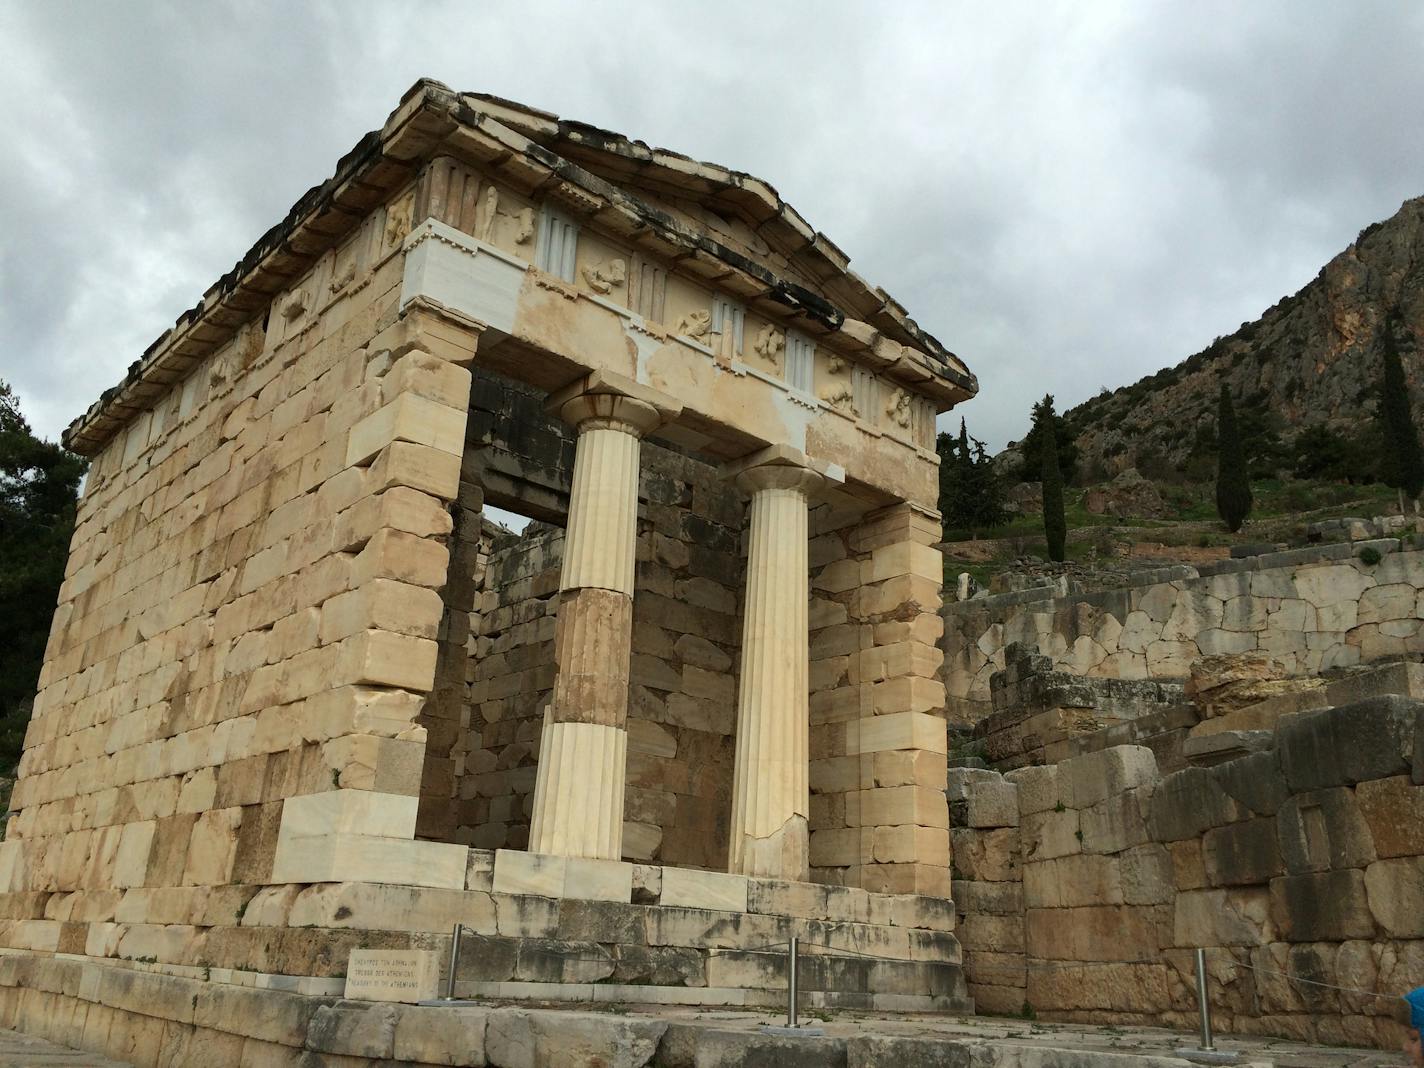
[(1242, 854), (1115, 823), (1074, 881), (1188, 803), (1321, 906), (1236, 917), (1103, 932), (990, 856), (1323, 830), (1038, 787), (1050, 834), (1393, 810), (1371, 739), (1395, 890), (1255, 780), (1094, 777)]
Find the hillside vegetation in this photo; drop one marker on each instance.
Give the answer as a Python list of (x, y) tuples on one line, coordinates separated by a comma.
[(1312, 363)]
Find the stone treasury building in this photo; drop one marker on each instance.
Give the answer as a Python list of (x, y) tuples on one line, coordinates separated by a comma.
[(302, 699)]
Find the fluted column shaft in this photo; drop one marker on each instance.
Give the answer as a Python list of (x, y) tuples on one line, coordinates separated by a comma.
[(770, 791), (579, 787)]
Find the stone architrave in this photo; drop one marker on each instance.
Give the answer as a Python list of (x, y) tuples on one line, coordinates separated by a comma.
[(579, 789), (770, 833)]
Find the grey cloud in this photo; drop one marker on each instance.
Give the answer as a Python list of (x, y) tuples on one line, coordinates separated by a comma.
[(1068, 195)]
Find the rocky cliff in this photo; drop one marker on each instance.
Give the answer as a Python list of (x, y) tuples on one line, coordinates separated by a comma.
[(1312, 358)]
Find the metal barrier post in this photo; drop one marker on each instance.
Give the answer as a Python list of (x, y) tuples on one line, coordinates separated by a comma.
[(454, 962), (792, 966), (1203, 1002)]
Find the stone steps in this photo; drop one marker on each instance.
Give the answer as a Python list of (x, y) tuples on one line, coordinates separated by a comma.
[(548, 963)]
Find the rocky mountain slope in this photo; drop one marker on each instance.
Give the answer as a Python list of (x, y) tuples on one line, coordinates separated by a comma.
[(1312, 358)]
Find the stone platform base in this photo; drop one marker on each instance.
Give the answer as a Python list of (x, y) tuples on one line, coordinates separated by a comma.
[(536, 928), (145, 1019)]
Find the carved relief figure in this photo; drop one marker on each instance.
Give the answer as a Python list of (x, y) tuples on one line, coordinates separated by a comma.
[(602, 277), (770, 343), (695, 324), (838, 395), (485, 213), (343, 278), (397, 222), (294, 305), (898, 409), (525, 221)]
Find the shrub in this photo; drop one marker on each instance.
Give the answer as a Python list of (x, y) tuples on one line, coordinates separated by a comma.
[(1369, 556)]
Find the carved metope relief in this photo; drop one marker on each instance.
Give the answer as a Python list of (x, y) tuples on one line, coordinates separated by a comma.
[(606, 276), (838, 392), (695, 324), (770, 343)]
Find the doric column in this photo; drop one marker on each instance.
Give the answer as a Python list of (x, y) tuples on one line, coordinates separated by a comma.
[(770, 795), (578, 792)]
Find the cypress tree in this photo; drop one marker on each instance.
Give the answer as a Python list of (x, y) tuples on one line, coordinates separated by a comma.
[(945, 446), (1233, 479), (1055, 524), (1402, 465)]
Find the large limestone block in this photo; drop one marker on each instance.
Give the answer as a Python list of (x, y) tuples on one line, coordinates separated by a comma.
[(379, 906), (1050, 834), (1136, 988), (1086, 780), (1327, 585), (1072, 882), (1116, 823), (212, 848), (901, 805), (1038, 787), (991, 856), (1235, 917), (1395, 890), (1188, 803), (1393, 809), (1370, 739), (684, 887), (1099, 932), (1255, 781), (339, 858), (1322, 906), (440, 1035), (1242, 854), (1323, 830), (1147, 875)]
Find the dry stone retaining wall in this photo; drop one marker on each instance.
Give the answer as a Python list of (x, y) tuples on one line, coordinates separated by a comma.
[(1310, 609), (1307, 859)]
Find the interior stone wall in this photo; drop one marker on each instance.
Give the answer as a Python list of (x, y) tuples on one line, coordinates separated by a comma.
[(1087, 886), (682, 706), (1310, 609)]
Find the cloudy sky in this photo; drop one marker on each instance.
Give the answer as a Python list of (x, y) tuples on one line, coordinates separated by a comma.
[(1069, 195)]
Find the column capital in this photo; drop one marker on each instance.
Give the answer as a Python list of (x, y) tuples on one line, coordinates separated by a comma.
[(782, 467), (603, 400)]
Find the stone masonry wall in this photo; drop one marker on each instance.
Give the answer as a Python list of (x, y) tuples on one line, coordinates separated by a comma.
[(250, 600), (1310, 609), (1303, 860)]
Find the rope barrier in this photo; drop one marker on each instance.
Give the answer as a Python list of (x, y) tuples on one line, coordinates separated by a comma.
[(1316, 982)]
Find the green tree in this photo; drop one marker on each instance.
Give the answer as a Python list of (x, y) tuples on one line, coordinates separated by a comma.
[(1067, 448), (1233, 478), (39, 484), (970, 495), (988, 490), (1401, 464), (1055, 524)]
